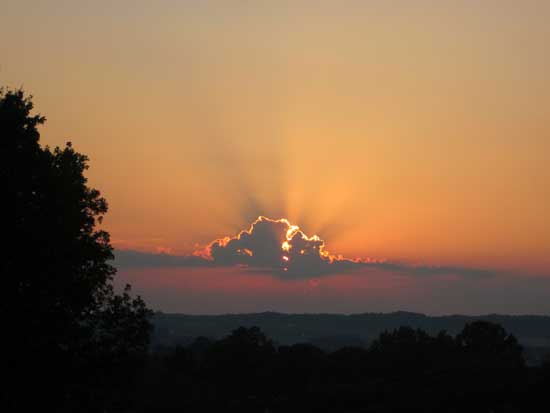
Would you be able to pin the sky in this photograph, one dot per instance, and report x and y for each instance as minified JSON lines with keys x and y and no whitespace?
{"x":411,"y":137}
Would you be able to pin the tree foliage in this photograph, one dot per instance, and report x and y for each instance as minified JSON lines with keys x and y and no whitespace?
{"x":404,"y":369}
{"x":59,"y":302}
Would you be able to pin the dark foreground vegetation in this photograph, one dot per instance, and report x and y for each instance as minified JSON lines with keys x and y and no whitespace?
{"x":72,"y":343}
{"x":69,"y":338}
{"x":479,"y":370}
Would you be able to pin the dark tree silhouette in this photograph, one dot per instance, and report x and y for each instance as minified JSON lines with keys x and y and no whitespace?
{"x":240,"y":364}
{"x":489,"y":345}
{"x":58,"y":300}
{"x":404,"y":348}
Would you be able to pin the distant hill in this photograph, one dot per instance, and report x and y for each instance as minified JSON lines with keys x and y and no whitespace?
{"x":336,"y":330}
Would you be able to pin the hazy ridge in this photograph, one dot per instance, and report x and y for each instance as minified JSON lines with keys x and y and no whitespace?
{"x":338,"y":329}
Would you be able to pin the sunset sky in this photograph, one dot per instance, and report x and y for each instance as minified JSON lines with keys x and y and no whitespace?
{"x":410,"y":135}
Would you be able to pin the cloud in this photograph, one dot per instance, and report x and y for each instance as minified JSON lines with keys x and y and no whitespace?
{"x":138,"y":259}
{"x":277,"y":247}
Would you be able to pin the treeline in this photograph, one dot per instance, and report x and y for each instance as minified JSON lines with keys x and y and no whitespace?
{"x":330,"y":331}
{"x":480,"y":369}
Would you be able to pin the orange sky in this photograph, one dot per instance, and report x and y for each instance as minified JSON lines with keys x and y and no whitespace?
{"x":413,"y":131}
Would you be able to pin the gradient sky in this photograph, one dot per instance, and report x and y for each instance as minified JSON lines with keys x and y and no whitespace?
{"x":411,"y":131}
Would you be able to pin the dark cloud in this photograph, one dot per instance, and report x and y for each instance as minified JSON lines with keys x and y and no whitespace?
{"x":138,"y":259}
{"x":279,"y":248}
{"x":426,"y":270}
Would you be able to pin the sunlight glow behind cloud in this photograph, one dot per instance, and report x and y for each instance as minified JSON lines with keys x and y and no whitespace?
{"x":276,"y":247}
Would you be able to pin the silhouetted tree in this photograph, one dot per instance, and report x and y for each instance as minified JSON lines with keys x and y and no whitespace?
{"x":489,"y":345}
{"x":298,"y":368}
{"x":239,"y":364}
{"x":58,"y":301}
{"x":404,"y":348}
